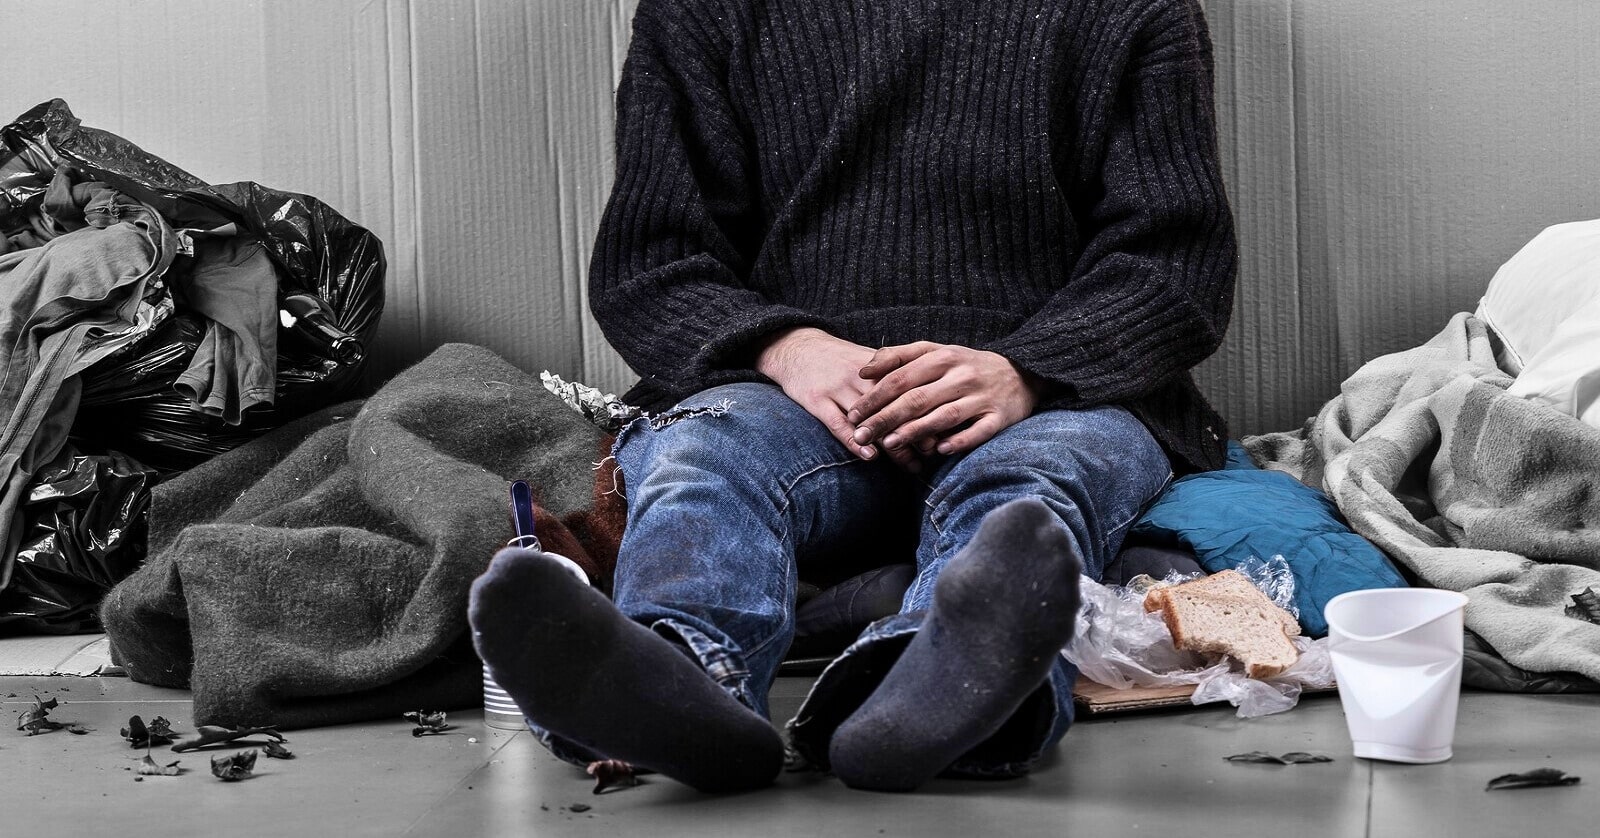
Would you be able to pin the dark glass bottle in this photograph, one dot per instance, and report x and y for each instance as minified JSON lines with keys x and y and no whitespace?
{"x":310,"y":320}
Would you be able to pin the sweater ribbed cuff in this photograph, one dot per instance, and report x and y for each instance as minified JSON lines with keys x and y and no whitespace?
{"x":1116,"y":349}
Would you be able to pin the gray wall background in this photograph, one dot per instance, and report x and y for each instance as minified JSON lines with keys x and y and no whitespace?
{"x":1384,"y":156}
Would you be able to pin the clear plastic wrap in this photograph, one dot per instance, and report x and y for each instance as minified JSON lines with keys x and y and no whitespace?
{"x":1275,"y":579}
{"x":1255,"y":697}
{"x":1120,"y":645}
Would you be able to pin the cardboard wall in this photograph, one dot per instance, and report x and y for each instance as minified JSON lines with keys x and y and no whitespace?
{"x":1384,"y":156}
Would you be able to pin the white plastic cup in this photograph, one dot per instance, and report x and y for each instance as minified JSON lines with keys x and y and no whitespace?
{"x":499,"y":709}
{"x":1397,"y":659}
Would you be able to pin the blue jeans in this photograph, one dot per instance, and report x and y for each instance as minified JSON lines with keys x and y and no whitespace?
{"x":738,"y":491}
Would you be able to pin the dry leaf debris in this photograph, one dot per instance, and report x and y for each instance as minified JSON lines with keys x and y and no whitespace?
{"x":206,"y":735}
{"x":149,"y":767}
{"x":277,"y":751}
{"x":231,"y":768}
{"x":141,"y":735}
{"x":1585,"y":606}
{"x":1531,"y":779}
{"x":1291,"y":758}
{"x":611,"y":773}
{"x":36,"y":719}
{"x":427,"y":722}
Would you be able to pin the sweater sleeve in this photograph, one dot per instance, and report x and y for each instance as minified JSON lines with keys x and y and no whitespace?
{"x":1152,"y":292}
{"x":667,"y":281}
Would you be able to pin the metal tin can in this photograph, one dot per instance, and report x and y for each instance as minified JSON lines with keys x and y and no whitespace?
{"x":500,"y":710}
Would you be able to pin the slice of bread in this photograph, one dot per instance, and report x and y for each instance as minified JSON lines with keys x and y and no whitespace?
{"x":1227,"y":583}
{"x":1224,"y":613}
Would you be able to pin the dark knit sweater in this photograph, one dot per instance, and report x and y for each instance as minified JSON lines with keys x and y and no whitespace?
{"x":1038,"y":178}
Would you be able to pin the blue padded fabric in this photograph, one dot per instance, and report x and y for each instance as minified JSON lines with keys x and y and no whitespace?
{"x":1239,"y":511}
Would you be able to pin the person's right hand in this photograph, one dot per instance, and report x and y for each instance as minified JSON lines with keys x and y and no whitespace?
{"x":820,"y":373}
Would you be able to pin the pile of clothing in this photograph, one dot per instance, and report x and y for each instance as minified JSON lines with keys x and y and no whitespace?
{"x":140,"y":311}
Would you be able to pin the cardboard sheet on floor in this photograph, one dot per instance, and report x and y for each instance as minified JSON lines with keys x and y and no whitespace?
{"x":1098,"y":699}
{"x":72,"y":654}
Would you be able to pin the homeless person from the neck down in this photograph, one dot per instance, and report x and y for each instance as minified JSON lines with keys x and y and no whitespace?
{"x":926,"y":274}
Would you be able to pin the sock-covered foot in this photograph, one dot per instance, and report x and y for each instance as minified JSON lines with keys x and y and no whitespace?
{"x":1002,"y":609}
{"x":580,"y":669}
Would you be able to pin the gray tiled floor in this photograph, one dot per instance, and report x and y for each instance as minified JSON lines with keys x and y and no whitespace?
{"x":1157,"y":774}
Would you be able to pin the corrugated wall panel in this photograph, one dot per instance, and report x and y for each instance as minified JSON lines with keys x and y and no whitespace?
{"x":601,"y":365}
{"x":152,"y":71}
{"x":514,"y":114}
{"x":1252,"y":378}
{"x":339,"y":103}
{"x":490,"y":264}
{"x":1432,"y":139}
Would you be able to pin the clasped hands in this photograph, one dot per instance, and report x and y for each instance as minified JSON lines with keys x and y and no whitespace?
{"x":904,"y":401}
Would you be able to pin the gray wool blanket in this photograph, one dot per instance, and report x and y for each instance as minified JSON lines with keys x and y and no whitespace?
{"x":319,"y":574}
{"x":1471,"y":489}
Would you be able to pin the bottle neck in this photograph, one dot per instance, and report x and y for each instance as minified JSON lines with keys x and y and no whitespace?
{"x":311,"y":321}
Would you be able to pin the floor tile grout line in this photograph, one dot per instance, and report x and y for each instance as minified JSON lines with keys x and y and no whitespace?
{"x":487,"y":761}
{"x":1371,"y":778}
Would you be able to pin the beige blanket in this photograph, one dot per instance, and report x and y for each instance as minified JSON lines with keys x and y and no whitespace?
{"x":1471,"y":489}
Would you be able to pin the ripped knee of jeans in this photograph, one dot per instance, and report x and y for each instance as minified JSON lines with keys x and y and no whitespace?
{"x":652,"y":422}
{"x":682,"y":412}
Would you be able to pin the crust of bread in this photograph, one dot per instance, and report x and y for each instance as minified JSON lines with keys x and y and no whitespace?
{"x":1224,"y":613}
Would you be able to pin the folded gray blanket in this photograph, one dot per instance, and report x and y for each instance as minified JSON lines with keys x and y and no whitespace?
{"x":1471,"y":489}
{"x":319,"y":574}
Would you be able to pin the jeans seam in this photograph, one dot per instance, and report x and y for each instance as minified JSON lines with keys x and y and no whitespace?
{"x":1138,"y":512}
{"x":934,"y":517}
{"x":788,"y":593}
{"x":784,"y":535}
{"x":940,"y":542}
{"x":788,"y":492}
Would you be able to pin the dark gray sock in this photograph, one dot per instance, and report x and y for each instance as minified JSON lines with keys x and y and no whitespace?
{"x":582,"y":670}
{"x":1002,"y":609}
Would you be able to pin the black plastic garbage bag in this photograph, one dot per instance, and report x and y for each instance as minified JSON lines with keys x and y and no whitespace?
{"x":83,"y":530}
{"x":317,"y":252}
{"x":128,"y":402}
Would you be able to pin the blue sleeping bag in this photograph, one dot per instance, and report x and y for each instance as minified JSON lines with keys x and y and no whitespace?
{"x":1241,"y":511}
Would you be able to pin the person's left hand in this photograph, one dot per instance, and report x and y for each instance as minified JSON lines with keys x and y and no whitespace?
{"x":945,"y":396}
